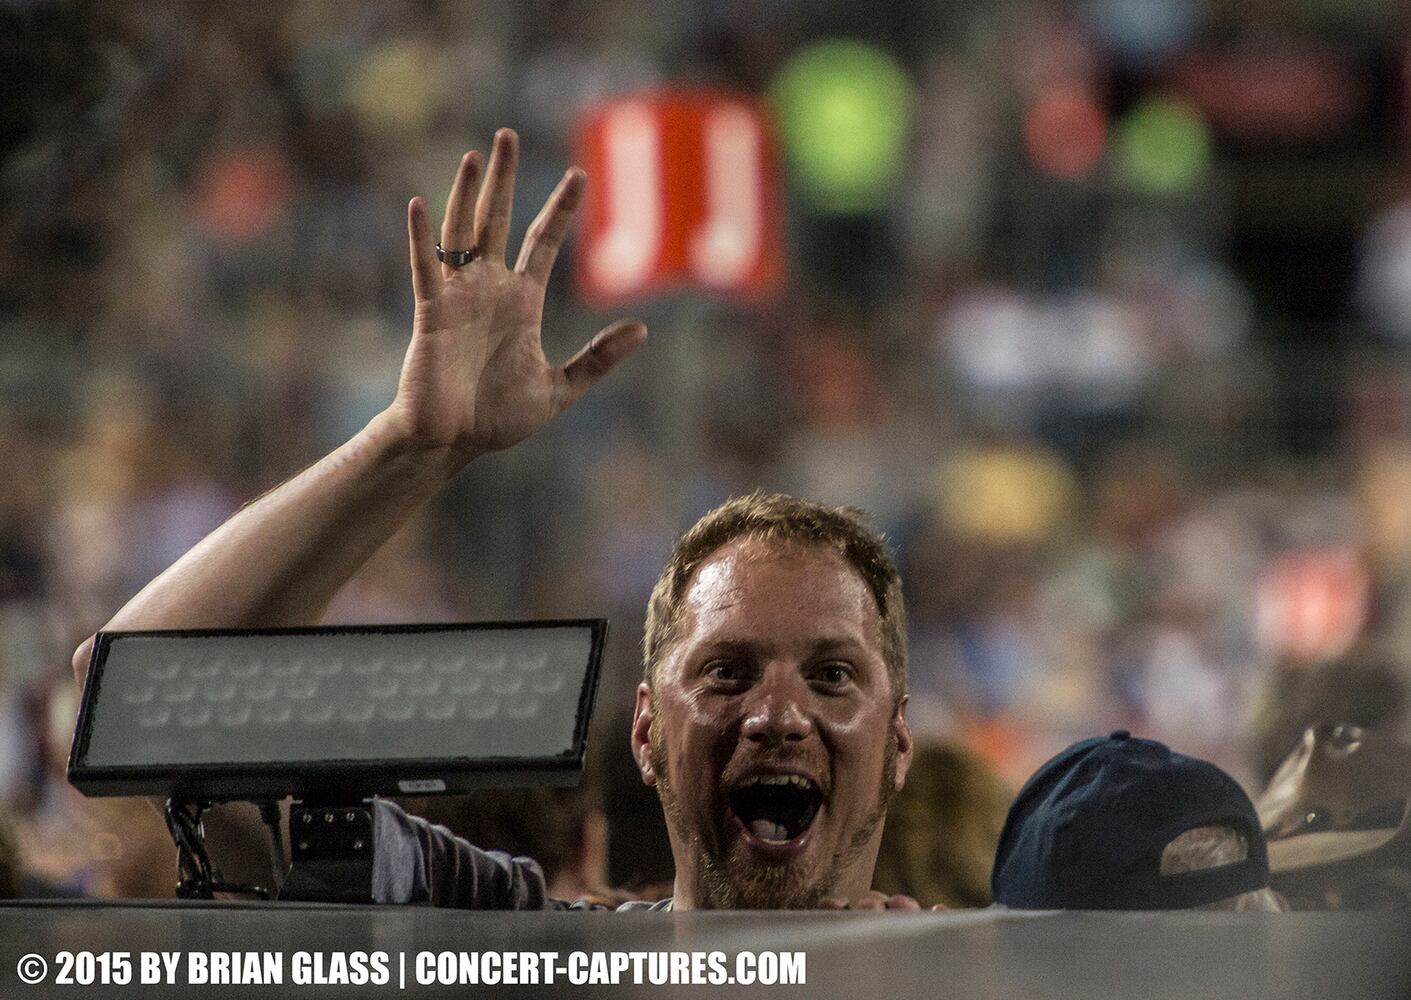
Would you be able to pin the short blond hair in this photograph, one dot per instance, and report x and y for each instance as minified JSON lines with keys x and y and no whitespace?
{"x":777,"y":517}
{"x":1203,"y":847}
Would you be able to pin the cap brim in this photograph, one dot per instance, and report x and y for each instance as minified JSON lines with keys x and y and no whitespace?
{"x":1327,"y":847}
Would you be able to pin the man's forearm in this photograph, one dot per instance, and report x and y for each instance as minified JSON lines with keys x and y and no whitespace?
{"x":281,"y":559}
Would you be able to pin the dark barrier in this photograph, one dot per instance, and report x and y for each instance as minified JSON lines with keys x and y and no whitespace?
{"x":966,"y":955}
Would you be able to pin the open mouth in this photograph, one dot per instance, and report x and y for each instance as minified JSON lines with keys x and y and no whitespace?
{"x":776,"y":808}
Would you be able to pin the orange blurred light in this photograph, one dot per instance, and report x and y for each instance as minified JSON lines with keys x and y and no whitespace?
{"x":1064,"y":134}
{"x":243,"y":194}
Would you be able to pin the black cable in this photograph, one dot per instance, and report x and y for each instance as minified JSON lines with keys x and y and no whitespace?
{"x":193,"y":865}
{"x":196,"y":878}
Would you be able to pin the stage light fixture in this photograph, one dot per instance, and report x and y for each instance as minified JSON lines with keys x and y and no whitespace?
{"x":333,"y":717}
{"x":336,"y":713}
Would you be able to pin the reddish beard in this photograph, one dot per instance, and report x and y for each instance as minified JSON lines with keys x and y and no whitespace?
{"x":727,"y":883}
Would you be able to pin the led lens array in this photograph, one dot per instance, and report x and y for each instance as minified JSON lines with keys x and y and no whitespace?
{"x":169,"y":699}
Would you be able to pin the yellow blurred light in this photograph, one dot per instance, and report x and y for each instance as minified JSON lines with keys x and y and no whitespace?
{"x":1006,"y":493}
{"x":395,"y":89}
{"x":843,"y":109}
{"x":1163,"y":146}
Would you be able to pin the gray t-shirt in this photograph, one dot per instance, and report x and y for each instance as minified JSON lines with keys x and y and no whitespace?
{"x":418,"y":862}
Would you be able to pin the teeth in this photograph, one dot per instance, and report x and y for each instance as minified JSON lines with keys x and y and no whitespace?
{"x":765,"y":830}
{"x":781,"y":779}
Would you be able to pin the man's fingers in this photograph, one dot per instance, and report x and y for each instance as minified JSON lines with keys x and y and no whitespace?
{"x":81,"y":656}
{"x":426,"y":271}
{"x":598,"y":357}
{"x":492,"y":211}
{"x":546,"y":233}
{"x":458,"y":228}
{"x":874,"y":900}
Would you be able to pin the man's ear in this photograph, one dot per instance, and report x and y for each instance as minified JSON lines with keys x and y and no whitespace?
{"x":642,"y":717}
{"x":904,"y":743}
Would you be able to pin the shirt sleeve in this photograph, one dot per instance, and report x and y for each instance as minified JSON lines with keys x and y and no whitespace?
{"x":415,"y":861}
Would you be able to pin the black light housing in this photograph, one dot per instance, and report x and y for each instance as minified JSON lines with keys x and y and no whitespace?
{"x":336,"y":714}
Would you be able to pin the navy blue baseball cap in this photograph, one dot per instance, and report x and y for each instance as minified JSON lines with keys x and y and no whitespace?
{"x":1086,"y":832}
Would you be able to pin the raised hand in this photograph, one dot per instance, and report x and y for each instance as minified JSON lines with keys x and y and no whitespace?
{"x":475,"y":378}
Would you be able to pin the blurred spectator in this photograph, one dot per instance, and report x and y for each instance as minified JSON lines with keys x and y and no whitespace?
{"x":1363,"y":691}
{"x":1117,"y":823}
{"x":9,"y":858}
{"x":1338,"y":817}
{"x":942,"y":829}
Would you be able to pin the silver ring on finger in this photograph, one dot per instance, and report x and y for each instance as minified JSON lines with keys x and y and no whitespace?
{"x":454,"y":258}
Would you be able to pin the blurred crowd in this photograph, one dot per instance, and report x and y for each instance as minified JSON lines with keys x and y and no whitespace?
{"x":1114,"y":352}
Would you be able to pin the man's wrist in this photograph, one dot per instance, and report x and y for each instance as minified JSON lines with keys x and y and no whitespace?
{"x":438,"y":462}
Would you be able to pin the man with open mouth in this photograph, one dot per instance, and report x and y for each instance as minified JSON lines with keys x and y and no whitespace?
{"x":770,"y":718}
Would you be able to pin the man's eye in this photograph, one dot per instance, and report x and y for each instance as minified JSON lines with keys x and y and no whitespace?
{"x":726,"y":671}
{"x":833,"y":674}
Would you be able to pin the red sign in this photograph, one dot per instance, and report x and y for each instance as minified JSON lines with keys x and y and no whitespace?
{"x":683,"y":192}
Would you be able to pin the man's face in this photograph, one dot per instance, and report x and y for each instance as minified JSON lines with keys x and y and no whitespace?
{"x":771,"y":736}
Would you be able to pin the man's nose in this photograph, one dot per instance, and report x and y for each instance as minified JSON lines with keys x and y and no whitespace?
{"x":776,"y":711}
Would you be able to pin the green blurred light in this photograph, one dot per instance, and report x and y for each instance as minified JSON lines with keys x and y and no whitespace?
{"x":843,"y":113}
{"x":1163,"y":147}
